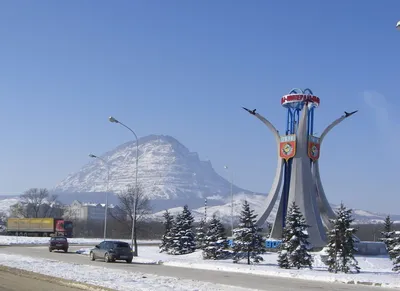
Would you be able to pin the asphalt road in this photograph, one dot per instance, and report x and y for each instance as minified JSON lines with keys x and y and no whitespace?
{"x":268,"y":283}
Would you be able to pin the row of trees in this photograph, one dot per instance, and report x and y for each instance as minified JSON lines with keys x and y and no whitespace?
{"x":391,"y":238}
{"x":179,"y":237}
{"x":294,"y":250}
{"x":37,"y":203}
{"x":248,"y":243}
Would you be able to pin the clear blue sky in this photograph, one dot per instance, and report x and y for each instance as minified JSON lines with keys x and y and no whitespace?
{"x":185,"y":68}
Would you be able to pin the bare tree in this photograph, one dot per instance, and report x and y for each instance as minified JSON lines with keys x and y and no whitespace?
{"x":35,"y":203}
{"x":135,"y":204}
{"x":3,"y":216}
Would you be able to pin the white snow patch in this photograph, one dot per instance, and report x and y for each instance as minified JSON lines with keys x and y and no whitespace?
{"x":374,"y":269}
{"x":109,"y":278}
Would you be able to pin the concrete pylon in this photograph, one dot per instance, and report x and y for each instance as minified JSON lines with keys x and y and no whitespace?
{"x":297,"y":177}
{"x":302,"y":189}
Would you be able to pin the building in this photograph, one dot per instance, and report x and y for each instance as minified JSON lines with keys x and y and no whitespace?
{"x":91,"y":211}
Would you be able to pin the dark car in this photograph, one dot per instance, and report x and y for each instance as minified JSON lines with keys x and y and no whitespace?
{"x":58,"y":243}
{"x":112,"y":251}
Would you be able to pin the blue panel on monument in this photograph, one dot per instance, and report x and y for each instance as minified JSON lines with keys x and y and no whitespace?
{"x":272,"y":244}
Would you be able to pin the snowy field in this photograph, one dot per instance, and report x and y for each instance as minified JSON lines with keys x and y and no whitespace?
{"x":374,"y":270}
{"x":22,"y":240}
{"x":117,"y":280}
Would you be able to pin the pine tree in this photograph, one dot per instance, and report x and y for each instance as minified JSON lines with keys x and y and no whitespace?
{"x":200,"y":234}
{"x":395,"y":251}
{"x":341,"y":243}
{"x":387,"y":236}
{"x":247,"y":240}
{"x":294,"y":247}
{"x":215,"y":242}
{"x":166,"y":240}
{"x":183,"y":240}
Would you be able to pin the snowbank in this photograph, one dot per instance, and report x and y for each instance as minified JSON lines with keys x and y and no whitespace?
{"x":109,"y":278}
{"x":374,"y":270}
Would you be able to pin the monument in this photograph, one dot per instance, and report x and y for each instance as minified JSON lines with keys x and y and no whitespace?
{"x":297,"y":175}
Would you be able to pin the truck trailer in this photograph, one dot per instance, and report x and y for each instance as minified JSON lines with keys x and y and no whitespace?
{"x":39,"y":227}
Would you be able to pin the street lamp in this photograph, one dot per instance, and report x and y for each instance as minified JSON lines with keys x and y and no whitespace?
{"x":108,"y":182}
{"x":398,"y":25}
{"x":226,"y":168}
{"x":113,"y":120}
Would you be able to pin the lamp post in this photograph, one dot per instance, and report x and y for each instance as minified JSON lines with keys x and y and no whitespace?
{"x":226,"y":168}
{"x":113,"y":120}
{"x":398,"y":25}
{"x":107,"y":190}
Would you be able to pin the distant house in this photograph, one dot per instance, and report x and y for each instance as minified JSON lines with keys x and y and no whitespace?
{"x":90,"y":211}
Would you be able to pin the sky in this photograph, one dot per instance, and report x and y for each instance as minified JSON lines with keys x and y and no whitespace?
{"x":185,"y":69}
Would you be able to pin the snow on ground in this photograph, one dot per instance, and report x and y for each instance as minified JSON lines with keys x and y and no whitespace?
{"x":23,"y":240}
{"x":374,"y":269}
{"x":114,"y":279}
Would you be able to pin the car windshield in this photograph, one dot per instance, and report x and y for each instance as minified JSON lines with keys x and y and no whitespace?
{"x":59,"y":238}
{"x":121,"y":245}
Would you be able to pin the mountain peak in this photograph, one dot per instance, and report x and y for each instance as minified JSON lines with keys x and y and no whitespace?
{"x":166,"y":170}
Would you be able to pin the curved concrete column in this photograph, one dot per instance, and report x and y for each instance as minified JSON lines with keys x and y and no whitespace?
{"x":302,"y":186}
{"x":277,"y":183}
{"x":273,"y":193}
{"x":326,"y":210}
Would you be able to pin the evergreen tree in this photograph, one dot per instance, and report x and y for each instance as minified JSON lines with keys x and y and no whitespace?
{"x":167,"y":238}
{"x":341,"y":243}
{"x":200,"y":234}
{"x":215,"y":243}
{"x":395,"y":251}
{"x":247,"y":240}
{"x":294,"y":247}
{"x":183,"y":240}
{"x":387,"y":236}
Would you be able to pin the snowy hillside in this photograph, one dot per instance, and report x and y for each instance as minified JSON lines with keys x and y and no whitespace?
{"x":257,"y":202}
{"x":167,"y":170}
{"x":223,"y":211}
{"x":222,"y":208}
{"x":5,"y":205}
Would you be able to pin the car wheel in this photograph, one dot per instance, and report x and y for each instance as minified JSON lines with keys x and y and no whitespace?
{"x":50,"y":250}
{"x":91,"y":256}
{"x":129,"y":261}
{"x":106,"y":258}
{"x":65,"y":250}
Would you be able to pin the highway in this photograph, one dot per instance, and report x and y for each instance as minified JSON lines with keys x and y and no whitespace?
{"x":268,"y":283}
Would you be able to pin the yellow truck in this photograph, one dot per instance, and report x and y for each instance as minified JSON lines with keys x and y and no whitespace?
{"x":39,"y":227}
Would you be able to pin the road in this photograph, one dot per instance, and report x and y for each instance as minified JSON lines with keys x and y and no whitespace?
{"x":268,"y":283}
{"x":24,"y":281}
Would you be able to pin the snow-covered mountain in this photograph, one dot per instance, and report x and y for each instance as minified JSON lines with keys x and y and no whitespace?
{"x":167,"y":170}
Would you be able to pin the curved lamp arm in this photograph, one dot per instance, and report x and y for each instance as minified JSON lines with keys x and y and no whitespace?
{"x":266,"y":122}
{"x":333,"y":124}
